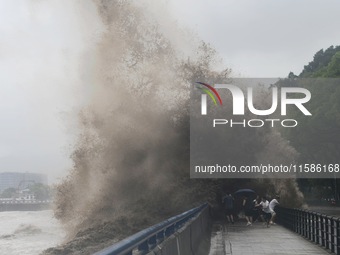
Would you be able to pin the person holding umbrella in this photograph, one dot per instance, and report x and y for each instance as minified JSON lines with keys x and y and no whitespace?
{"x":247,"y":196}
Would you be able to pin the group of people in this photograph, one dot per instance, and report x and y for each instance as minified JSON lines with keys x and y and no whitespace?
{"x":254,"y":209}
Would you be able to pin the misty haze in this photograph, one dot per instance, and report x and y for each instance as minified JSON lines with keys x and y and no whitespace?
{"x":97,"y":129}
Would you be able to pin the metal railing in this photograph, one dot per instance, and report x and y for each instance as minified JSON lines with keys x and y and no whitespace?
{"x":318,"y":228}
{"x":147,"y":239}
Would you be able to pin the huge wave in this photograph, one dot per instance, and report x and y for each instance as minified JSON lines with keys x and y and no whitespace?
{"x":131,"y":160}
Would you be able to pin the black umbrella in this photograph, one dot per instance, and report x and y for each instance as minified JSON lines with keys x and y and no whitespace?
{"x":245,"y":193}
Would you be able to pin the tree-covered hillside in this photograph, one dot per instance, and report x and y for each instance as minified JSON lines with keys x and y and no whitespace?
{"x":326,"y":63}
{"x":317,"y":138}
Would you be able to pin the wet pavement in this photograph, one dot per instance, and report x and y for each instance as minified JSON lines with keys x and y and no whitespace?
{"x":239,"y":239}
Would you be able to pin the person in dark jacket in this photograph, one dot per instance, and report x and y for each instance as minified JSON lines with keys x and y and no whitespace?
{"x":228,"y":203}
{"x":248,"y":207}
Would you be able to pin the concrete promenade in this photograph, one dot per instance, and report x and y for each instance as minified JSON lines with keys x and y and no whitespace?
{"x":239,"y":239}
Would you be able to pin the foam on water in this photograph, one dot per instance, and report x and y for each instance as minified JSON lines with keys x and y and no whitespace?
{"x":28,"y":233}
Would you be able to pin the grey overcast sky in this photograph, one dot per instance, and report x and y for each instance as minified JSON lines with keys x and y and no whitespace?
{"x":41,"y":46}
{"x":263,"y":38}
{"x":43,"y":42}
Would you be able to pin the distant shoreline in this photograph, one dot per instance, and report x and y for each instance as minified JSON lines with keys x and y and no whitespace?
{"x":24,"y":206}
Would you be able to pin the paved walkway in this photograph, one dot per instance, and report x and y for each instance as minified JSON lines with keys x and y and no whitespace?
{"x":238,"y":239}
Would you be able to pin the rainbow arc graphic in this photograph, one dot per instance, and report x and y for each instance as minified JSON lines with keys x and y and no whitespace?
{"x":211,"y":91}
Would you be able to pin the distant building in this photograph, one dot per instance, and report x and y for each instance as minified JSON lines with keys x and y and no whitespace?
{"x":20,"y":180}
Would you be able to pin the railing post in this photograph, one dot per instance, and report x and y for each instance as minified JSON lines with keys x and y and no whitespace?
{"x":323,"y":228}
{"x":319,"y":230}
{"x":152,"y":242}
{"x":299,"y":222}
{"x":160,"y":236}
{"x":307,"y":225}
{"x":327,"y":233}
{"x":296,"y":220}
{"x":143,"y":248}
{"x":330,"y":238}
{"x":311,"y":217}
{"x":302,"y":223}
{"x":170,"y":230}
{"x":333,"y":233}
{"x":308,"y":234}
{"x":337,"y":236}
{"x":315,"y":222}
{"x":292,"y":219}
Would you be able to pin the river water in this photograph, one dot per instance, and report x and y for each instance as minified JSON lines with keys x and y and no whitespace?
{"x":28,"y":233}
{"x":328,"y":210}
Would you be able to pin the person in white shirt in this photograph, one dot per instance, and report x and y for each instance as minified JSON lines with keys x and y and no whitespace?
{"x":266,"y":214}
{"x":272,"y":206}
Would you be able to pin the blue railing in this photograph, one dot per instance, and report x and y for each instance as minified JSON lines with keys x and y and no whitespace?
{"x":147,"y":239}
{"x":318,"y":228}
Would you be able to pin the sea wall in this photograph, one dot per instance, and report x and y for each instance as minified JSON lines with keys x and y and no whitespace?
{"x":24,"y":206}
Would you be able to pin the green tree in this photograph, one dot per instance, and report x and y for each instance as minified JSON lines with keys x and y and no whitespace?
{"x":8,"y":193}
{"x":317,"y":137}
{"x":320,"y":64}
{"x":333,"y":68}
{"x":40,"y":191}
